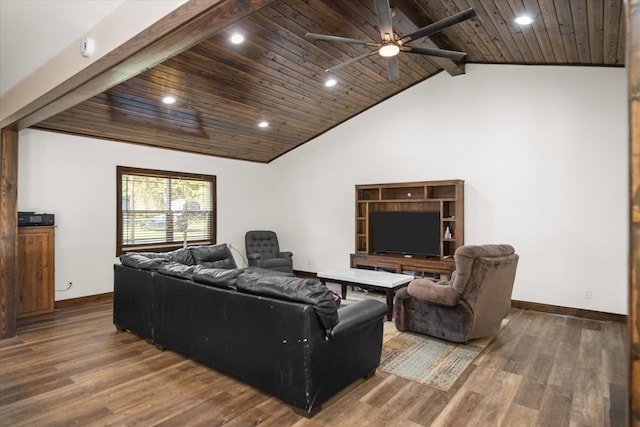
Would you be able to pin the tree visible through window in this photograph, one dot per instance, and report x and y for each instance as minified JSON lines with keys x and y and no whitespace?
{"x":161,"y":210}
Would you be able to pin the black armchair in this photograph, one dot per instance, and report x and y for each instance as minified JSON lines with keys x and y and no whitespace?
{"x":263,"y":251}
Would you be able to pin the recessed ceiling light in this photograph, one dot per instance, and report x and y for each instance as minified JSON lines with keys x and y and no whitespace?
{"x":330,"y":82}
{"x":169,"y":99}
{"x":263,"y":124}
{"x":237,"y":38}
{"x":524,"y":20}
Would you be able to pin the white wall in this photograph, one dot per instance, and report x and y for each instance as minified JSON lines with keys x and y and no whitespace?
{"x":543,"y":151}
{"x":75,"y":178}
{"x":544,"y":155}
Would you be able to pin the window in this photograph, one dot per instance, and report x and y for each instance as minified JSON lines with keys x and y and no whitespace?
{"x":160,"y":210}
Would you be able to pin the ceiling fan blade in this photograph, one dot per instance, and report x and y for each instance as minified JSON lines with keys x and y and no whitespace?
{"x":351,"y":61}
{"x":327,"y":38}
{"x":439,"y":26}
{"x":383,"y":11}
{"x":440,"y":53}
{"x":392,"y":68}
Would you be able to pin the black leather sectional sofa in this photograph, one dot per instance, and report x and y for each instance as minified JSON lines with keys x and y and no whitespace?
{"x":282,"y":334}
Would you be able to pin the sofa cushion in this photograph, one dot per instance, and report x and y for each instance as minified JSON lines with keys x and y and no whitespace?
{"x":142,"y":261}
{"x":308,"y":291}
{"x":182,"y":256}
{"x":218,"y":277}
{"x":154,"y":255}
{"x":258,"y":272}
{"x":213,"y":256}
{"x":176,"y":269}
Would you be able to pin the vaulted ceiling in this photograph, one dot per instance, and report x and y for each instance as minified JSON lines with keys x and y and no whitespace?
{"x":223,"y":90}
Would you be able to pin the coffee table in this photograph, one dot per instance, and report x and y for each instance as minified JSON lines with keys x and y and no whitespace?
{"x":368,"y":279}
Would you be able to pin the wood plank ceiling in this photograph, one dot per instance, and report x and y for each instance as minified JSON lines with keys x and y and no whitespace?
{"x":277,"y":75}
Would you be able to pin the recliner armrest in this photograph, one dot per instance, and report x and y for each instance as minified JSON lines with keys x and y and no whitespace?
{"x":254,"y":255}
{"x":441,"y":293}
{"x":285,"y":254}
{"x":360,"y":312}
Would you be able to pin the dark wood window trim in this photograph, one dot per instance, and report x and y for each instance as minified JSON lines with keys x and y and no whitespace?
{"x":121,"y":247}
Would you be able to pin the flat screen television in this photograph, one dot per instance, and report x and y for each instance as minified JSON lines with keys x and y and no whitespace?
{"x":404,"y":232}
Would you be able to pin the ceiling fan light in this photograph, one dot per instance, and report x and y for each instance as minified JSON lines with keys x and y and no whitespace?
{"x":388,"y":50}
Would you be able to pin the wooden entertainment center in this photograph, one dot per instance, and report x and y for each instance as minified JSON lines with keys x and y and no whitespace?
{"x":445,"y":197}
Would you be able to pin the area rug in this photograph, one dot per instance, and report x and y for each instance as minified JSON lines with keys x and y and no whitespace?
{"x":428,"y":360}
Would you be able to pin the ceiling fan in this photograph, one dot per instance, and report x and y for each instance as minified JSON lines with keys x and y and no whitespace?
{"x":391,"y":44}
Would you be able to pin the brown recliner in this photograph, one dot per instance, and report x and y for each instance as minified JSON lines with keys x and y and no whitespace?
{"x":470,"y":305}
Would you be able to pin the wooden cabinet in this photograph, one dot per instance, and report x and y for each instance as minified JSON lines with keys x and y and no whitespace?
{"x":35,"y":271}
{"x":444,"y":197}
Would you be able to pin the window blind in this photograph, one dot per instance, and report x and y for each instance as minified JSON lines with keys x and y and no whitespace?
{"x":161,"y":209}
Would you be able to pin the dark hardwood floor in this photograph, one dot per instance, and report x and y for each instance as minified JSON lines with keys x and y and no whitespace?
{"x":76,"y":369}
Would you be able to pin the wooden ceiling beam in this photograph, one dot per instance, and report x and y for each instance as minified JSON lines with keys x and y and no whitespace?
{"x":632,"y":15}
{"x":407,"y":16}
{"x":188,"y":25}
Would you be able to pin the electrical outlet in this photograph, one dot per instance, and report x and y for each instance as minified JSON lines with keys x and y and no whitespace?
{"x":69,"y":286}
{"x":587,"y":294}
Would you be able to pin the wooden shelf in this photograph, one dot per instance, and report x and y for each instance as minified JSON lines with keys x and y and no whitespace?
{"x":420,"y":266}
{"x":445,"y":197}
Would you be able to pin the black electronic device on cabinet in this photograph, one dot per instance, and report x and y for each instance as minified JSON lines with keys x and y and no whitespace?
{"x":32,"y":218}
